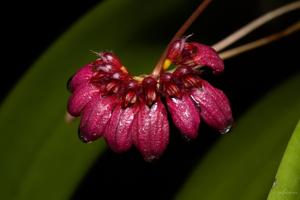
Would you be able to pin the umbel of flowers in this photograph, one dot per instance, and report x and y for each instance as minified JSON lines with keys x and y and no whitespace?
{"x":128,"y":111}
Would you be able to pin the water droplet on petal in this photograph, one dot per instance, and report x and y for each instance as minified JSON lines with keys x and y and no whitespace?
{"x":226,"y":130}
{"x":186,"y":138}
{"x":150,"y":158}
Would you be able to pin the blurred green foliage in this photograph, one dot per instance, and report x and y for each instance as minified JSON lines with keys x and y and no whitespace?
{"x":286,"y":185}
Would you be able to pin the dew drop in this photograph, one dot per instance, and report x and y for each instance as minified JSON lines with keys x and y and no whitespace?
{"x":227,"y":129}
{"x":151,"y":158}
{"x":186,"y":138}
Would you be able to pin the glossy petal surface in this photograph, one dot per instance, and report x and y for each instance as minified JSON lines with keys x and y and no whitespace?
{"x":220,"y":97}
{"x":95,"y":117}
{"x":117,"y":132}
{"x":185,"y":115}
{"x":214,"y":107}
{"x":150,"y":130}
{"x":81,"y":96}
{"x":207,"y":56}
{"x":83,"y":75}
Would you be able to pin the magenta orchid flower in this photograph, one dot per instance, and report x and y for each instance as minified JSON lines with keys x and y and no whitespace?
{"x":129,"y":110}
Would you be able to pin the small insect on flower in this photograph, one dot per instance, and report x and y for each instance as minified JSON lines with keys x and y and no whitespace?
{"x":128,"y":111}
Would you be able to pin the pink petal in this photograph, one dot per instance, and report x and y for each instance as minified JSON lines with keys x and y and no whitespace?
{"x":185,"y":115}
{"x":220,"y":97}
{"x":81,"y":96}
{"x":214,"y":107}
{"x":95,"y":116}
{"x":150,"y":130}
{"x":83,"y":75}
{"x":117,"y":131}
{"x":207,"y":56}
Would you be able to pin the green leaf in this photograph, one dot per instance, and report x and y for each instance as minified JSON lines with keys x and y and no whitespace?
{"x":287,"y":183}
{"x":243,"y":164}
{"x":41,"y":157}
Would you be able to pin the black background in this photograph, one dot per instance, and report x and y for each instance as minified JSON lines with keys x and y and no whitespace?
{"x":29,"y":27}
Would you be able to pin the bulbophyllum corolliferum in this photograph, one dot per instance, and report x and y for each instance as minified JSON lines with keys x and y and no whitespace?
{"x":128,"y":110}
{"x":133,"y":110}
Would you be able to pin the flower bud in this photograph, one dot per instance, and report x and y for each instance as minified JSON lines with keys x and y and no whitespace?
{"x":112,"y":87}
{"x":187,"y":77}
{"x":110,"y":58}
{"x":131,"y":90}
{"x":168,"y":87}
{"x":175,"y":50}
{"x":149,"y":85}
{"x":105,"y":68}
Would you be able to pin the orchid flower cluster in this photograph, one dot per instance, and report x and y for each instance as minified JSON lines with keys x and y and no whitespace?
{"x":128,"y":110}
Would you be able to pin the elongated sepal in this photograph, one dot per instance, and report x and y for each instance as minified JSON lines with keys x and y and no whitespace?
{"x":95,"y":117}
{"x":185,"y":115}
{"x":80,"y":97}
{"x":214,"y":107}
{"x":82,"y":76}
{"x":117,"y":133}
{"x":150,"y":130}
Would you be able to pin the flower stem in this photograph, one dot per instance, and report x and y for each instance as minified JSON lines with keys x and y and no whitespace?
{"x":257,"y":43}
{"x":260,"y":42}
{"x":158,"y":67}
{"x":254,"y":25}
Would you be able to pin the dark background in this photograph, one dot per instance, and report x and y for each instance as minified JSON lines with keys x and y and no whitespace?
{"x":29,"y":27}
